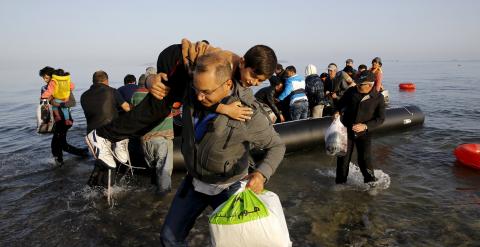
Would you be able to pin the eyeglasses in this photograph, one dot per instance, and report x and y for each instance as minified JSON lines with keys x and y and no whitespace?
{"x":204,"y":92}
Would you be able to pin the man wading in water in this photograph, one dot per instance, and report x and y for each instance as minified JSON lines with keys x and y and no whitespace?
{"x":216,"y":148}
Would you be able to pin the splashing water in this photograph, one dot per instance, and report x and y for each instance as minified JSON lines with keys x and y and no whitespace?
{"x":355,"y":180}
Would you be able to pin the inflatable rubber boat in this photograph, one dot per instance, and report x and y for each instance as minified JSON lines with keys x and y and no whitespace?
{"x":307,"y":133}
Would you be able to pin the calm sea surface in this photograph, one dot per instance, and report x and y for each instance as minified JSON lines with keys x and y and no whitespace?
{"x":424,"y":198}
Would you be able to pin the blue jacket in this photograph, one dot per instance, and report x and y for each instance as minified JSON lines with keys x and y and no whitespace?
{"x":294,"y":85}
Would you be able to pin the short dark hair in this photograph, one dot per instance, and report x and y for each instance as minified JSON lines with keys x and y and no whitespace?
{"x":279,"y":67}
{"x":261,"y":59}
{"x":46,"y":71}
{"x":222,"y":67}
{"x":60,"y":72}
{"x":282,"y":76}
{"x":377,"y":60}
{"x":99,"y":76}
{"x":291,"y":68}
{"x":349,"y":60}
{"x":129,"y":79}
{"x":323,"y":75}
{"x":362,"y":66}
{"x":348,"y":69}
{"x":275,"y":81}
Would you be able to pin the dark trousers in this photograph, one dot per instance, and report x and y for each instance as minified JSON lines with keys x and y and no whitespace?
{"x":137,"y":122}
{"x":187,"y":205}
{"x":59,"y":141}
{"x":299,"y":110}
{"x":99,"y":176}
{"x":363,"y":144}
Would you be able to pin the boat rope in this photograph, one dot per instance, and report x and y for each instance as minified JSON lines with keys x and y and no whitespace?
{"x":409,"y":112}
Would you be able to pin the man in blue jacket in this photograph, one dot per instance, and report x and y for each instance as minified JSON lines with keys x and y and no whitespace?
{"x":295,"y":88}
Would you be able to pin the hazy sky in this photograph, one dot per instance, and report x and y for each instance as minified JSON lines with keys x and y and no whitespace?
{"x":120,"y":33}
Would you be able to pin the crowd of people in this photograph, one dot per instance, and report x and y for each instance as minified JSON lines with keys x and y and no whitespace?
{"x":291,"y":96}
{"x":221,"y":120}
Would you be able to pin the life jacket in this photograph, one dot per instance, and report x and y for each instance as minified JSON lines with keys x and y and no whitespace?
{"x":62,"y":88}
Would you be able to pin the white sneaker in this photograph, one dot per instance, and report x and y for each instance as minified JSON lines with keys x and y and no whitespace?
{"x":121,"y":151}
{"x":100,"y":148}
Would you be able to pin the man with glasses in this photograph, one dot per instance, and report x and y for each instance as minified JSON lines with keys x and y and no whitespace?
{"x":362,"y":108}
{"x":216,"y":148}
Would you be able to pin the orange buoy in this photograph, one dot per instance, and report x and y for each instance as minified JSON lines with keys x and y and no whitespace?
{"x":406,"y":85}
{"x":468,"y":154}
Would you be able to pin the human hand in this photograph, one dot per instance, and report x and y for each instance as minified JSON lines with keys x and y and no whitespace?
{"x":334,"y":96}
{"x":238,"y":112}
{"x":157,"y":88}
{"x":282,"y":118}
{"x":201,"y":48}
{"x":336,"y":115}
{"x":359,"y":127}
{"x":256,"y":182}
{"x":54,"y":103}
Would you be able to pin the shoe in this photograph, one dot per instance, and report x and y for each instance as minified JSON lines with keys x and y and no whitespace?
{"x":121,"y":151}
{"x":58,"y":161}
{"x":101,"y":149}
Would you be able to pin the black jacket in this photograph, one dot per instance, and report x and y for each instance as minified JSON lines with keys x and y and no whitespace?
{"x":314,"y":90}
{"x":368,"y":108}
{"x":100,"y":104}
{"x":266,"y":96}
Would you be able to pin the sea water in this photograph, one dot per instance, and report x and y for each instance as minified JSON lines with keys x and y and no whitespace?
{"x":423,"y":196}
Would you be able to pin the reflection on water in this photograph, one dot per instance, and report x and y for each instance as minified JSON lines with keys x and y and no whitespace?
{"x":422,"y":198}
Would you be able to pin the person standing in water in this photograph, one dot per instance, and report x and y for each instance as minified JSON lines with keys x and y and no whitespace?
{"x":216,"y":148}
{"x":101,"y":105}
{"x":362,"y":108}
{"x":59,"y":93}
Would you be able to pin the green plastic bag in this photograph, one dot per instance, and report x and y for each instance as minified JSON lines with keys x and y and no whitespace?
{"x":248,"y":219}
{"x":240,"y":208}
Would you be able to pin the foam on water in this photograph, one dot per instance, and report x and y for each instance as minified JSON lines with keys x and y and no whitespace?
{"x":355,"y":180}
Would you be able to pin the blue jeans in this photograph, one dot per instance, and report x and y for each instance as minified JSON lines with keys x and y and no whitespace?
{"x":299,"y":110}
{"x":187,"y":205}
{"x":159,"y":155}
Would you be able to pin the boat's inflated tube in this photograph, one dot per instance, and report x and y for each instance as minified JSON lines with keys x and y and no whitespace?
{"x":307,"y":133}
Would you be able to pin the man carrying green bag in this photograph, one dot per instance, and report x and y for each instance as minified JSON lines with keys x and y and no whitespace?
{"x":215,"y":147}
{"x":247,"y":219}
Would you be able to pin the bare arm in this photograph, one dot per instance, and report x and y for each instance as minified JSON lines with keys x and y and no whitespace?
{"x":235,"y":110}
